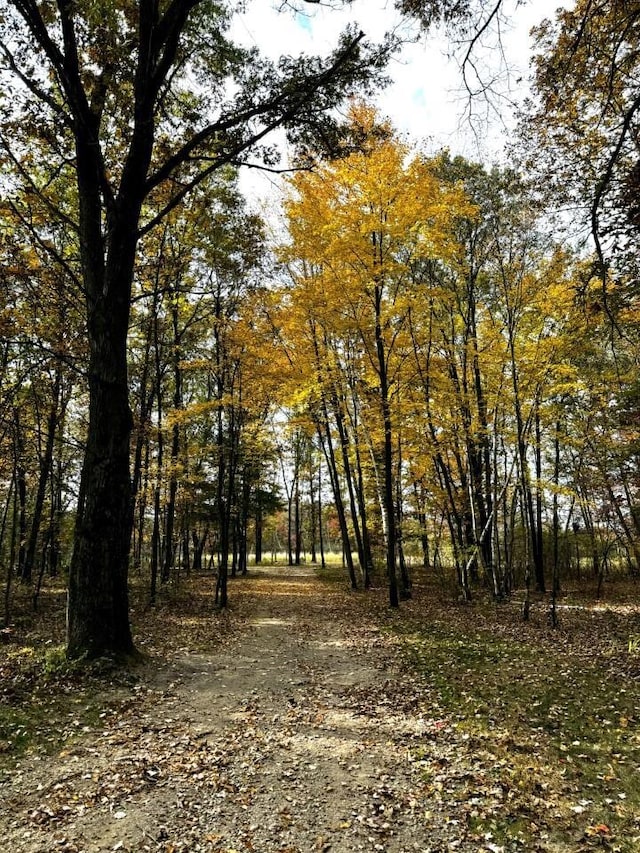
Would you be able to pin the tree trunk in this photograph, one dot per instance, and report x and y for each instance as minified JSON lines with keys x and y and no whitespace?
{"x":244,"y":524}
{"x":337,"y":497}
{"x":405,"y":579}
{"x":389,"y":503}
{"x":259,"y":531}
{"x":140,"y":475}
{"x":98,"y":602}
{"x":222,"y":599}
{"x":7,"y":589}
{"x":235,"y":536}
{"x":556,"y":525}
{"x":330,"y":458}
{"x":57,"y":512}
{"x":421,"y":516}
{"x":323,"y":562}
{"x":290,"y":528}
{"x":45,"y":470}
{"x":362,"y":509}
{"x":313,"y":519}
{"x":540,"y":558}
{"x":346,"y":464}
{"x":170,"y":548}
{"x":297,"y":518}
{"x":98,"y":598}
{"x":21,"y":495}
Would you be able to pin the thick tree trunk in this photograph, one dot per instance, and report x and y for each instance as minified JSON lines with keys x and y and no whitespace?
{"x":98,"y":605}
{"x":98,"y":599}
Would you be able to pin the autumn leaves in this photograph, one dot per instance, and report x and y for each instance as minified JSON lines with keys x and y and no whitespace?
{"x":433,"y":333}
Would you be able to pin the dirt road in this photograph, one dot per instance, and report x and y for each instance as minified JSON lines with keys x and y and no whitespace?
{"x":300,"y":733}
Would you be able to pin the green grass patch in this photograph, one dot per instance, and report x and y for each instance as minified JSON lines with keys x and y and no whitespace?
{"x":47,"y":702}
{"x":332,"y":572}
{"x":556,"y":731}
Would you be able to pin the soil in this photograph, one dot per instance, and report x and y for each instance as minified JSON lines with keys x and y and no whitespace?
{"x":301,"y":732}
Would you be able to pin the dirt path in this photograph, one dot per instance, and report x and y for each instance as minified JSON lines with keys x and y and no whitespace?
{"x":299,"y":734}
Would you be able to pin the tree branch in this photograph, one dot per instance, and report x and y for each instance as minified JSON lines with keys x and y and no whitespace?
{"x":224,"y":125}
{"x":31,"y":85}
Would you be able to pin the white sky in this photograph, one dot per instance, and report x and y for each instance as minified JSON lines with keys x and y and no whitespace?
{"x":426,"y":99}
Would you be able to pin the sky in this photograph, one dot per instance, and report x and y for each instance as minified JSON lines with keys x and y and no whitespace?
{"x":426,"y":100}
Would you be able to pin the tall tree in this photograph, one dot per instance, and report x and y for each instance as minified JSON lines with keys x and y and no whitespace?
{"x":582,"y":134}
{"x":585,"y":118}
{"x":106,"y":87}
{"x":363,"y":222}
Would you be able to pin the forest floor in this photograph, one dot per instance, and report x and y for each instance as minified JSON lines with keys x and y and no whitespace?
{"x":308,"y":718}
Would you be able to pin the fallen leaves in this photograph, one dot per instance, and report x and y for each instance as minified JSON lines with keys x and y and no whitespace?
{"x":304,"y":730}
{"x":599,"y":830}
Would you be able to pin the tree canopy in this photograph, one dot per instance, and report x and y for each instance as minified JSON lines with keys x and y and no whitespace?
{"x":461,"y":377}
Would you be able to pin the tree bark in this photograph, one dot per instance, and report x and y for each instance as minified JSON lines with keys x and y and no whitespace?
{"x":45,"y":470}
{"x":98,"y":602}
{"x":389,"y":503}
{"x":98,"y":598}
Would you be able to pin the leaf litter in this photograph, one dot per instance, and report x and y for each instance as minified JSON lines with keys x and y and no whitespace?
{"x":310,"y":719}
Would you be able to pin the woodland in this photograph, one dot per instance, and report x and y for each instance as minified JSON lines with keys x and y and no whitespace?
{"x":404,"y":418}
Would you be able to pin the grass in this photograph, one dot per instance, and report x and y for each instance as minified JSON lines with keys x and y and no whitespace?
{"x":44,"y":702}
{"x":554,"y":718}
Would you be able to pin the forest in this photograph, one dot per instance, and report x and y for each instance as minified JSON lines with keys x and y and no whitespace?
{"x":423,"y":372}
{"x":419,"y":382}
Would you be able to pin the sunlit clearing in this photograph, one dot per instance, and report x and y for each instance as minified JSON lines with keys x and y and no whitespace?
{"x":262,"y":623}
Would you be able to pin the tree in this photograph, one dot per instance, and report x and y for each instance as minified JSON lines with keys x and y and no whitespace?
{"x":197,"y":274}
{"x":41,"y":355}
{"x":105,"y":87}
{"x":584,"y":123}
{"x":585,"y":126}
{"x":363,"y":223}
